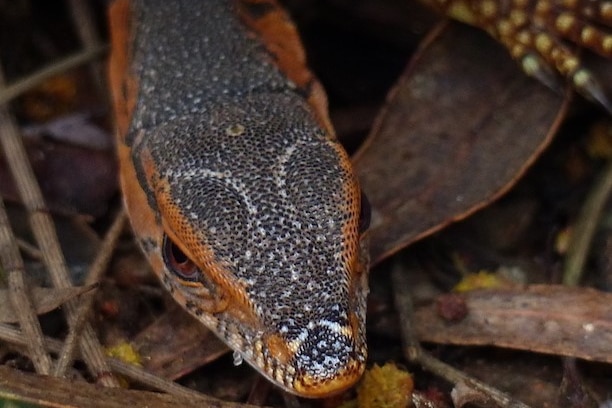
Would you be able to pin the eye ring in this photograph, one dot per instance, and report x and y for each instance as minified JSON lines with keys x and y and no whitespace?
{"x":178,"y":263}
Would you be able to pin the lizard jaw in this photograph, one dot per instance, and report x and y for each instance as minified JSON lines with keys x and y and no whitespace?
{"x":326,"y":360}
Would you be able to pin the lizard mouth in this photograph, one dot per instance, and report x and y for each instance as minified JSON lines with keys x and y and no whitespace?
{"x":324,"y":360}
{"x":330,"y":359}
{"x":313,"y":384}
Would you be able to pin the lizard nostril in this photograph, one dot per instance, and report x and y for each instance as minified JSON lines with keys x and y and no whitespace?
{"x":177,"y":262}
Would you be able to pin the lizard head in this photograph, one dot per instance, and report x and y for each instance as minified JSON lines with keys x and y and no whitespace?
{"x":257,"y":227}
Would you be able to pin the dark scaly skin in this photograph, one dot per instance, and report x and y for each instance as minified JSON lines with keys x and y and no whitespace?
{"x":221,"y":154}
{"x":543,"y":35}
{"x":233,"y":180}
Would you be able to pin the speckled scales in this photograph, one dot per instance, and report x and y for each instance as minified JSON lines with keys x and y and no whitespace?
{"x":224,"y":139}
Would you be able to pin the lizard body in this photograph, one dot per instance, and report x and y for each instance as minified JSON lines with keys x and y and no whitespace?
{"x":243,"y":201}
{"x":245,"y":204}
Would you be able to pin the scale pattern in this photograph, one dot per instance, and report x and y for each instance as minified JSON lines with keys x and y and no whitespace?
{"x":226,"y":162}
{"x":542,"y":35}
{"x":243,"y":179}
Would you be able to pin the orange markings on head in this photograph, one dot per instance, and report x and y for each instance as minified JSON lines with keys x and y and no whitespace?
{"x":142,"y":216}
{"x":274,"y":28}
{"x":350,"y":230}
{"x":313,"y":387}
{"x":124,"y":89}
{"x":355,"y":324}
{"x":240,"y":308}
{"x":277,"y":346}
{"x":230,"y":297}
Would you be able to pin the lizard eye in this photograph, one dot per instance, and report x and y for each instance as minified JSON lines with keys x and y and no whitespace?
{"x":178,"y":262}
{"x":364,"y":214}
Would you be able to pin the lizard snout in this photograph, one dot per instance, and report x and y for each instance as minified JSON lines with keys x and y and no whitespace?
{"x":330,"y":359}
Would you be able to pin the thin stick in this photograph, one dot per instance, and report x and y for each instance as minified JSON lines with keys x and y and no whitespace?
{"x":29,"y":82}
{"x":46,"y":239}
{"x":13,"y":264}
{"x":585,"y":228}
{"x":28,"y":321}
{"x":414,"y":353}
{"x":90,"y":38}
{"x":29,"y":249}
{"x":131,"y":371}
{"x":96,"y":270}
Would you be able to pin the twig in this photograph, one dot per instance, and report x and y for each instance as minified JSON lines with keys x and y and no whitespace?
{"x":13,"y":265}
{"x":133,"y":372}
{"x":46,"y":239}
{"x":29,"y":82}
{"x":19,"y":389}
{"x":96,"y":270}
{"x":579,"y":246}
{"x":29,"y":249}
{"x":414,"y":353}
{"x":90,"y":38}
{"x":585,"y":228}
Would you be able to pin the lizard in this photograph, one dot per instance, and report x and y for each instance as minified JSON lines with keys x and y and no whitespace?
{"x":240,"y":195}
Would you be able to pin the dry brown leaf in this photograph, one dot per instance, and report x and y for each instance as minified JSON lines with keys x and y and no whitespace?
{"x":461,"y":126}
{"x":551,"y":319}
{"x":73,"y":179}
{"x":176,"y":344}
{"x":43,"y":299}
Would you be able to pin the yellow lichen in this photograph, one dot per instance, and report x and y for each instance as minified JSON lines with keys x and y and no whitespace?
{"x":385,"y":387}
{"x":480,"y":280}
{"x":125,"y":352}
